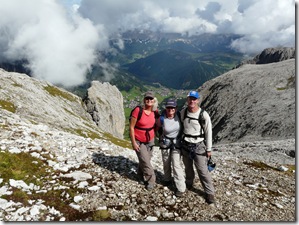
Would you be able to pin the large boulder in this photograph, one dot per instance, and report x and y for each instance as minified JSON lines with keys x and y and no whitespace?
{"x":105,"y":104}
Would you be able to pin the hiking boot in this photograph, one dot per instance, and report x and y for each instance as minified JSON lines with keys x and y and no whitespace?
{"x":210,"y":199}
{"x":150,"y":187}
{"x":179,"y":194}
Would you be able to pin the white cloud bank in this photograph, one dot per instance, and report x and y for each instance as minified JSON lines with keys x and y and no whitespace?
{"x":60,"y":47}
{"x":61,"y":44}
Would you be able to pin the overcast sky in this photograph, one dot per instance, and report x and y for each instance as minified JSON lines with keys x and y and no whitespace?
{"x":60,"y":37}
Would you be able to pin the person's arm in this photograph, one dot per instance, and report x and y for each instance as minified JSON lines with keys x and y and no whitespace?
{"x":135,"y":146}
{"x":158,"y":128}
{"x":208,"y":133}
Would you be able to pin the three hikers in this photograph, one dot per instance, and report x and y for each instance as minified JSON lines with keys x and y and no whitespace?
{"x":185,"y":134}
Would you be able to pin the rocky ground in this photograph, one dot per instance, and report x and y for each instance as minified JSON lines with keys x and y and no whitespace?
{"x":96,"y":180}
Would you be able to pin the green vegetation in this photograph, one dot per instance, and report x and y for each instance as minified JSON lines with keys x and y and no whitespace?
{"x":264,"y":166}
{"x":87,"y":133}
{"x":120,"y":142}
{"x":259,"y":165}
{"x":17,"y":85}
{"x":57,"y":92}
{"x":20,"y":167}
{"x":23,"y":166}
{"x":9,"y":106}
{"x":182,"y":70}
{"x":101,"y":215}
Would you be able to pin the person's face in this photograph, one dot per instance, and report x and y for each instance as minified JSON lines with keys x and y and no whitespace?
{"x":192,"y":102}
{"x":149,"y":101}
{"x":170,"y":111}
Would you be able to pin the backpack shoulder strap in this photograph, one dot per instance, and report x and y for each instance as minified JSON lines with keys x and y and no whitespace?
{"x":139,"y":113}
{"x":157,"y":114}
{"x":201,"y":121}
{"x":200,"y":116}
{"x":185,"y":114}
{"x":162,"y":117}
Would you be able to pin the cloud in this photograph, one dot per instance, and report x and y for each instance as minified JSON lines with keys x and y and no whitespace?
{"x":59,"y":47}
{"x":61,"y":44}
{"x":261,"y":23}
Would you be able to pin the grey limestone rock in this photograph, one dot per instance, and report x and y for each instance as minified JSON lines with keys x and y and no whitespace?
{"x":105,"y":104}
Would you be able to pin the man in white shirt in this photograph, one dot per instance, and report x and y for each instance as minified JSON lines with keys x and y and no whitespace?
{"x":197,"y":145}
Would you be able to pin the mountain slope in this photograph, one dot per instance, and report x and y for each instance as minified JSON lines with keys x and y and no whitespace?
{"x":253,"y":102}
{"x":173,"y":69}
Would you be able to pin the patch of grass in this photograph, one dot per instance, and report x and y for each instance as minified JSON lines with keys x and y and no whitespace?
{"x":264,"y":166}
{"x":290,"y":170}
{"x":20,"y":167}
{"x":9,"y":106}
{"x":4,"y":126}
{"x":281,"y":88}
{"x":260,"y":165}
{"x":101,"y":215}
{"x":106,"y":136}
{"x":120,"y":142}
{"x":71,"y":113}
{"x":17,"y":85}
{"x":87,"y":134}
{"x":57,"y":92}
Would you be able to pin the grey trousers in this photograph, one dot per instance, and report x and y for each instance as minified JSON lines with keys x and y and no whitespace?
{"x":172,"y":163}
{"x":200,"y":161}
{"x":145,"y":169}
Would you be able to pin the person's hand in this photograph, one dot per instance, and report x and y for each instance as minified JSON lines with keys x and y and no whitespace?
{"x":209,"y":154}
{"x":136,"y":146}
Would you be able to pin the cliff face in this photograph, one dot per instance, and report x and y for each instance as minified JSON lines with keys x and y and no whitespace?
{"x":105,"y":104}
{"x":253,"y":102}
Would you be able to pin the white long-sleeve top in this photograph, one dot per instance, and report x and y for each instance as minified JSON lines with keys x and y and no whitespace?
{"x":192,"y":127}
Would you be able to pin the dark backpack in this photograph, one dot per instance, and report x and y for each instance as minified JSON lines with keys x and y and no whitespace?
{"x":200,"y":120}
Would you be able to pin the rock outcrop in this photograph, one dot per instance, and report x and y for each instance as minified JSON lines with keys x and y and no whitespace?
{"x":105,"y":104}
{"x":253,"y":102}
{"x":271,"y":55}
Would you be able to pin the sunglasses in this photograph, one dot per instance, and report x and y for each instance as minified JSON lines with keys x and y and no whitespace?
{"x":148,"y":98}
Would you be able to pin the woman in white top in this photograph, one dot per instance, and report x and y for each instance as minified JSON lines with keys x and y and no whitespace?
{"x":169,"y":140}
